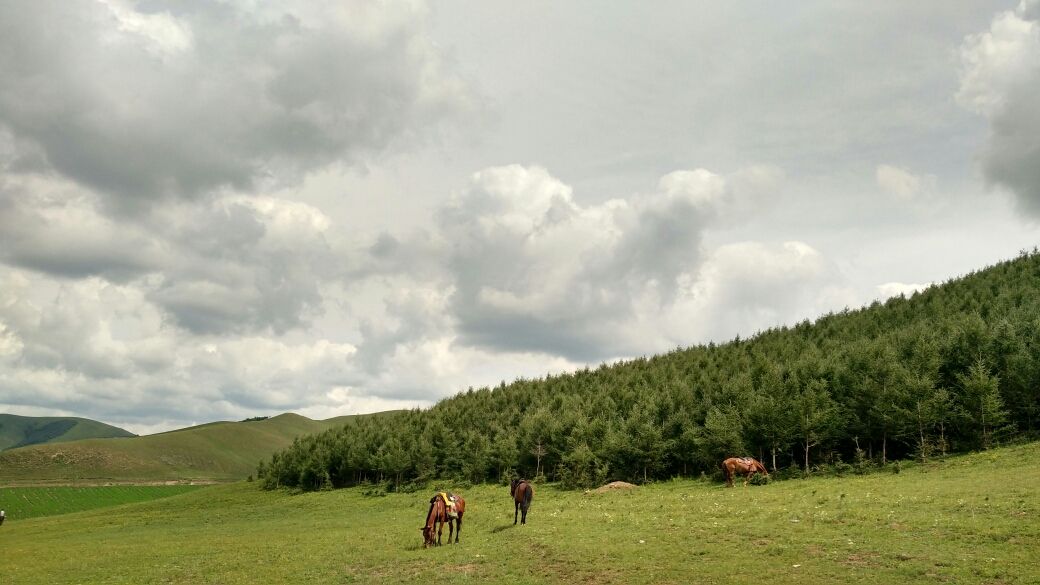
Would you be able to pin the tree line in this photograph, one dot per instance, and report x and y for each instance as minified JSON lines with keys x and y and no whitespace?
{"x":950,"y":369}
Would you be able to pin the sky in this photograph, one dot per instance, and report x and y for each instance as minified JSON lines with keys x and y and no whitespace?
{"x":214,"y":211}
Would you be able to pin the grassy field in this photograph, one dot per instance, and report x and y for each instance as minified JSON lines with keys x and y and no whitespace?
{"x":220,"y":451}
{"x":970,"y":519}
{"x":33,"y":502}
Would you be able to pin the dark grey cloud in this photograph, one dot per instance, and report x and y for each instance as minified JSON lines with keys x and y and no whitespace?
{"x":51,"y":226}
{"x":134,"y":137}
{"x":171,"y":100}
{"x":1000,"y":79}
{"x":243,"y":265}
{"x":231,"y":265}
{"x":1012,"y":157}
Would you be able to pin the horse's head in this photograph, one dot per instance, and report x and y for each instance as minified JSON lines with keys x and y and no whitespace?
{"x":427,"y":536}
{"x":512,"y":486}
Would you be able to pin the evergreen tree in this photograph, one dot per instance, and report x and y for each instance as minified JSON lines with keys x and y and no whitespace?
{"x":819,"y":416}
{"x":982,"y":401}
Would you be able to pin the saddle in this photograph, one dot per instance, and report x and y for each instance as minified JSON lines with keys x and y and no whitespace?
{"x":449,"y":503}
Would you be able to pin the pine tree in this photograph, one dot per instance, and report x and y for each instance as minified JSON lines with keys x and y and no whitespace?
{"x":982,"y":401}
{"x":819,"y":416}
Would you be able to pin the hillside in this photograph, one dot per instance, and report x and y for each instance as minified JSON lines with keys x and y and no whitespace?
{"x":21,"y":431}
{"x":210,"y":452}
{"x":953,"y":368}
{"x":948,"y":522}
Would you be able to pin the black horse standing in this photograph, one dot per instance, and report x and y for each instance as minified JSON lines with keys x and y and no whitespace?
{"x":522,"y":492}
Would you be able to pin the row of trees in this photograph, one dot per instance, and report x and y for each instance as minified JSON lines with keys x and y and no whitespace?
{"x":954,"y":368}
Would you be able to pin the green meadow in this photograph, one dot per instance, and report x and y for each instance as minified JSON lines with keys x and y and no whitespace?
{"x":968,"y":519}
{"x":32,"y":502}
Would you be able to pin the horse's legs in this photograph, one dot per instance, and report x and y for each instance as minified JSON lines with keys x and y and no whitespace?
{"x":458,"y":528}
{"x":523,"y":515}
{"x":516,"y":511}
{"x":451,"y":529}
{"x":440,"y":531}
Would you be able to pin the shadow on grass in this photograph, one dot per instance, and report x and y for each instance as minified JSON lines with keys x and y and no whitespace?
{"x":444,"y":543}
{"x":498,"y":529}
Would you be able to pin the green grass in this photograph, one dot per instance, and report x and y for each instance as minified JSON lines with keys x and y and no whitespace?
{"x":971,"y":519}
{"x":32,"y":502}
{"x":220,"y":451}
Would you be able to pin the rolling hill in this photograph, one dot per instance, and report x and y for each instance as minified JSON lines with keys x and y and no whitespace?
{"x":22,"y":431}
{"x":211,"y":452}
{"x":953,"y":368}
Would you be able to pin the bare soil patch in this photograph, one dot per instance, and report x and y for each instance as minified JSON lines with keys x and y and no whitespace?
{"x":615,"y":485}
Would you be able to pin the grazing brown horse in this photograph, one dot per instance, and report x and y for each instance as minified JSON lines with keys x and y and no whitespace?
{"x":746,"y":466}
{"x":522,"y":492}
{"x":438,"y":516}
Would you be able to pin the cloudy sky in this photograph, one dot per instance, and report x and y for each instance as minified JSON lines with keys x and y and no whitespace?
{"x":210,"y":211}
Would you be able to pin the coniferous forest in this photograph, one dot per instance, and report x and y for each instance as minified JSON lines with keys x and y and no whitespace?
{"x":953,"y":368}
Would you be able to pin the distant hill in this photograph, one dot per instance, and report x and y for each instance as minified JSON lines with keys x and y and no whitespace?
{"x":218,"y":451}
{"x":21,"y":431}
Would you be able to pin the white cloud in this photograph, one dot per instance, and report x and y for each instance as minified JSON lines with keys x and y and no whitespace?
{"x":94,"y":347}
{"x":902,"y":183}
{"x":746,"y":287}
{"x":532,"y":270}
{"x":892,"y":289}
{"x":998,"y":61}
{"x":163,"y":33}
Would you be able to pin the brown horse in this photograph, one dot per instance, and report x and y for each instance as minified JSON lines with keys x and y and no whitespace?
{"x":522,"y":492}
{"x":746,"y":466}
{"x":438,"y":516}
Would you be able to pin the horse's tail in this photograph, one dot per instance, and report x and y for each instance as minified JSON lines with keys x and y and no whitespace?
{"x":528,"y":495}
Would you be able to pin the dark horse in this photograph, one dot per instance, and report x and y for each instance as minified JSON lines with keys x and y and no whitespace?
{"x":438,"y":516}
{"x":522,"y":492}
{"x":746,"y":466}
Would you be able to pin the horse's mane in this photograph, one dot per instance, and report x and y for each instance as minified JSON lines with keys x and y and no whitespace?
{"x":429,"y":514}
